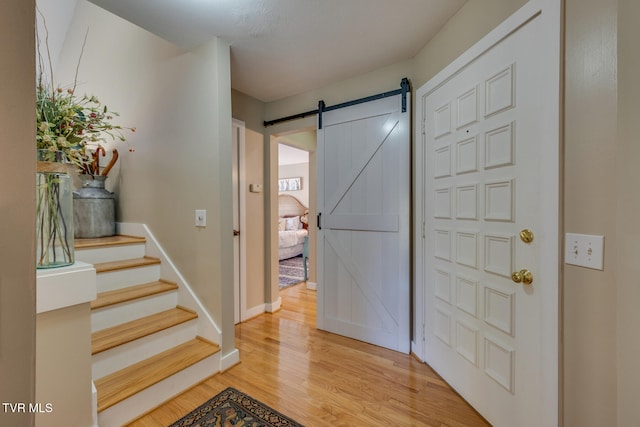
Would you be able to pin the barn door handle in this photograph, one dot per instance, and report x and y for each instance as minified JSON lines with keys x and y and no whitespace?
{"x":318,"y":221}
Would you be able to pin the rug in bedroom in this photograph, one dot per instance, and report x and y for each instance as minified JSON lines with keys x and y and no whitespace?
{"x":232,"y":407}
{"x":291,"y":272}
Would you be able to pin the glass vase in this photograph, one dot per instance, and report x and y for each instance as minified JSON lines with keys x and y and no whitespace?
{"x":54,"y":213}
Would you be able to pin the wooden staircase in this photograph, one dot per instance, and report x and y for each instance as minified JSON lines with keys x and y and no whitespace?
{"x":145,"y":346}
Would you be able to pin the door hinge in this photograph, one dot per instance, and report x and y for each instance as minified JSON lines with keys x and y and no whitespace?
{"x":424,"y":230}
{"x":424,"y":332}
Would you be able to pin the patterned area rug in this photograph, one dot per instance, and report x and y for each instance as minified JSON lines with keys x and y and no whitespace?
{"x":291,"y":272}
{"x":234,"y":408}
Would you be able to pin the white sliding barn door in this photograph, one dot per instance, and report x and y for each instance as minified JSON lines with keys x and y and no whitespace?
{"x":364,"y":205}
{"x":489,"y":175}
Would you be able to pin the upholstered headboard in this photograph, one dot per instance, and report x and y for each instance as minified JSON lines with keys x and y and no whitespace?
{"x":290,"y":206}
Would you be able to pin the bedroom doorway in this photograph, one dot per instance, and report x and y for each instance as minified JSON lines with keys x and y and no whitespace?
{"x":293,"y":213}
{"x":297,"y":168}
{"x":300,"y":135}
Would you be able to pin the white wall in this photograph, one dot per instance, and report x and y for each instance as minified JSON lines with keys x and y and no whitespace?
{"x":627,"y":267}
{"x":590,"y":198}
{"x":474,"y":20}
{"x":180,"y":103}
{"x":53,"y":20}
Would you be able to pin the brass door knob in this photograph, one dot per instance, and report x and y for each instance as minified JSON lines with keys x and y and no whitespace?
{"x":526,"y":235}
{"x":522,"y":276}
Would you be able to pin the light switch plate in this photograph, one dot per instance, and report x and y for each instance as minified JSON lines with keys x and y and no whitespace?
{"x":584,"y":250}
{"x":201,"y":218}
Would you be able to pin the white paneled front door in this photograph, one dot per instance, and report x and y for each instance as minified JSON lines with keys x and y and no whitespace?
{"x":363,"y":235}
{"x":489,"y":180}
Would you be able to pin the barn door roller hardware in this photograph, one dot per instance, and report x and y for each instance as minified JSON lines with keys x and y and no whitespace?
{"x":405,"y":87}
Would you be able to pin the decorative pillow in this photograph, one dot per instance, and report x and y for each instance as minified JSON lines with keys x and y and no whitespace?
{"x":282,"y":223}
{"x":293,"y":223}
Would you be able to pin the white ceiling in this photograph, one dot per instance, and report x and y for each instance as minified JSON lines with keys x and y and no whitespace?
{"x":281,"y":48}
{"x":291,"y":156}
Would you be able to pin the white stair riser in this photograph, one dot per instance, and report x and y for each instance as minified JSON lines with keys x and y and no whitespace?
{"x":118,"y":279}
{"x":110,"y":253}
{"x":124,"y":355}
{"x":112,"y":315}
{"x":138,"y":404}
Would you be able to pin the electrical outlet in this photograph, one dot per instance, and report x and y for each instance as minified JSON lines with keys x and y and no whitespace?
{"x":584,"y":250}
{"x":201,"y":218}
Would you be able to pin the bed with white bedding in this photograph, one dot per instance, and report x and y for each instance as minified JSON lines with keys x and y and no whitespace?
{"x":292,"y":230}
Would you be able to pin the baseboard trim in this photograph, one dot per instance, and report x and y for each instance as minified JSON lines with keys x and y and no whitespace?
{"x":253,"y":312}
{"x":94,"y":404}
{"x":229,"y":360}
{"x":272,"y":307}
{"x":312,"y":285}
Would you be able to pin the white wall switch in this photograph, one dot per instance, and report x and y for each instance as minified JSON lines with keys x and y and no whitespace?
{"x":255,"y":188}
{"x":201,"y":218}
{"x":584,"y":250}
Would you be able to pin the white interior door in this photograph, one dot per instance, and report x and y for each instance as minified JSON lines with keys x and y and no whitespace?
{"x":491,"y":170}
{"x":363,"y":239}
{"x":239,"y":239}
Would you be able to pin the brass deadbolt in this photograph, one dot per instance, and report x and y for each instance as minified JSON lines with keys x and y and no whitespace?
{"x":526,"y":235}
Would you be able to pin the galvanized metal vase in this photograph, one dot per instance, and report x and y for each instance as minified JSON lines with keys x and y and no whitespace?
{"x":93,"y":208}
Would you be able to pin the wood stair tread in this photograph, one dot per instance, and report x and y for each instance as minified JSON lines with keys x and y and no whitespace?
{"x":126,"y":332}
{"x":125,"y":383}
{"x":103,"y":267}
{"x":131,"y":293}
{"x":119,"y":239}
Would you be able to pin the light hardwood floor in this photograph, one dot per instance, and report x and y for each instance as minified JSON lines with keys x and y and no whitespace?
{"x":322,"y":379}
